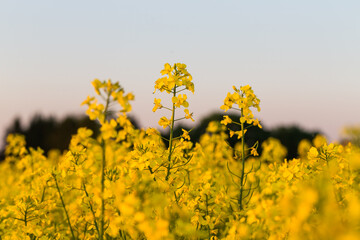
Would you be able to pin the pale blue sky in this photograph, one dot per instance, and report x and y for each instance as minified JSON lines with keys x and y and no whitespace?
{"x":301,"y":57}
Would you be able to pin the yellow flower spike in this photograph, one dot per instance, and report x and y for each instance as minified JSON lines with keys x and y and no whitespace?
{"x":157,"y":103}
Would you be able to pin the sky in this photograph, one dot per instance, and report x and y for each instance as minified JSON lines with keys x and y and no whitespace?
{"x":300,"y":57}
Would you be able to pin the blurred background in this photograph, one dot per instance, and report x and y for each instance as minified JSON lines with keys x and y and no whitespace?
{"x":301,"y":58}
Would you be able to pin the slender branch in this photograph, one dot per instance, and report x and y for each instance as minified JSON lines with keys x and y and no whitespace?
{"x":171,"y":137}
{"x":243,"y":164}
{"x":103,"y":166}
{"x":227,"y":164}
{"x":63,"y":205}
{"x":91,"y":209}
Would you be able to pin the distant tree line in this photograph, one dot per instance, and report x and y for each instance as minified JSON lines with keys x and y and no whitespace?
{"x":49,"y":133}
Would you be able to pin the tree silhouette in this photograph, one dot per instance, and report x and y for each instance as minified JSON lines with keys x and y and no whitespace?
{"x":289,"y":136}
{"x":49,"y":133}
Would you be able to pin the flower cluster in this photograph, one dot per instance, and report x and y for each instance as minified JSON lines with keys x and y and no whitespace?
{"x":127,"y":184}
{"x":245,"y":99}
{"x":177,"y":79}
{"x":177,"y":75}
{"x":111,"y":92}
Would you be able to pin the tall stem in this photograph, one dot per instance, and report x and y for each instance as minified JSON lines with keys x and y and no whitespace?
{"x":103,"y":165}
{"x":171,"y":136}
{"x":243,"y":164}
{"x":63,"y":204}
{"x":92,"y":209}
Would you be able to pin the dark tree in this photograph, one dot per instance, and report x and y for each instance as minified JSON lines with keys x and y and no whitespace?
{"x":290,"y":136}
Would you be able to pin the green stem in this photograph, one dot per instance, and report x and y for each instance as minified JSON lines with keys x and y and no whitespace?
{"x":171,"y":136}
{"x":103,"y":166}
{"x":91,"y":209}
{"x":243,"y":165}
{"x":25,"y":219}
{"x":63,"y":204}
{"x":43,"y":195}
{"x":85,"y":230}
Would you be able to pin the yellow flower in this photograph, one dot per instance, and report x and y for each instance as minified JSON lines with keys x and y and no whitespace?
{"x":319,"y":141}
{"x":95,"y":110}
{"x":254,"y":152}
{"x":160,"y":84}
{"x":108,"y":129}
{"x":123,"y":100}
{"x":231,"y":132}
{"x":238,"y":133}
{"x":257,"y":123}
{"x":313,"y":153}
{"x":130,"y":96}
{"x":152,"y":131}
{"x":226,"y":120}
{"x":244,"y":98}
{"x":167,"y":69}
{"x":185,"y":134}
{"x":97,"y":85}
{"x":157,"y":103}
{"x":171,"y":82}
{"x":188,"y":115}
{"x":180,"y":66}
{"x":177,"y":76}
{"x":225,"y":108}
{"x":164,"y":122}
{"x":189,"y":85}
{"x":88,"y":100}
{"x":180,"y":101}
{"x":245,"y":88}
{"x":235,"y":89}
